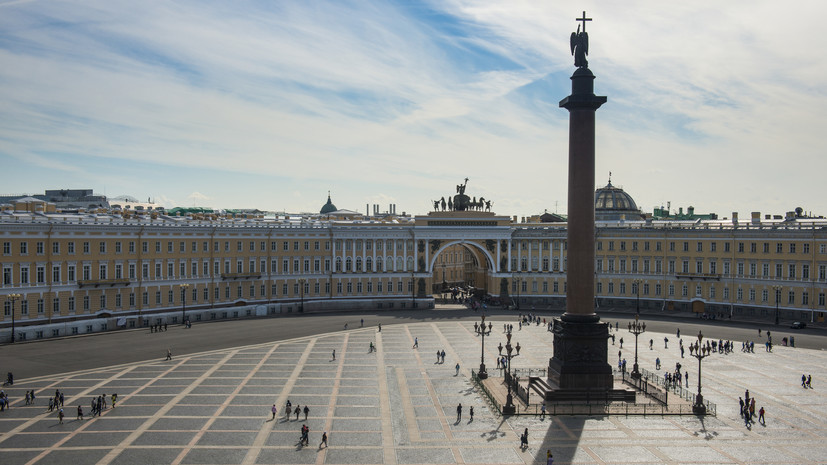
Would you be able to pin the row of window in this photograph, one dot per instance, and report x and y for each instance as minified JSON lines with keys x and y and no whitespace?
{"x":170,"y":246}
{"x":298,"y":266}
{"x":712,"y":294}
{"x":741,"y":268}
{"x":341,"y":289}
{"x":713,"y":246}
{"x":286,"y":246}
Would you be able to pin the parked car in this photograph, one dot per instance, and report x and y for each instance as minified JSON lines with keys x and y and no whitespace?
{"x":798,"y":325}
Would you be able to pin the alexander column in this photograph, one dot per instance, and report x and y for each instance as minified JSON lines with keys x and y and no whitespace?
{"x":580,"y":339}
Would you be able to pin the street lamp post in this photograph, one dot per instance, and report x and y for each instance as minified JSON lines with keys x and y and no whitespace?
{"x":483,"y":374}
{"x":777,"y":289}
{"x":184,"y":303}
{"x":508,"y":408}
{"x":636,"y":328}
{"x":301,"y":290}
{"x":700,"y":352}
{"x":13,"y":298}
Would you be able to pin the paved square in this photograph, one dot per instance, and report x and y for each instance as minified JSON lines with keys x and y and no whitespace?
{"x":397,"y":405}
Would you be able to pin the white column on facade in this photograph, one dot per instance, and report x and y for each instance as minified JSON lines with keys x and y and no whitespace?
{"x":405,"y":256}
{"x":394,"y":254}
{"x":520,"y":255}
{"x":353,"y":256}
{"x":550,"y":255}
{"x":427,"y":255}
{"x":364,"y":254}
{"x":497,"y":258}
{"x":373,"y":245}
{"x":508,"y":264}
{"x":530,"y":255}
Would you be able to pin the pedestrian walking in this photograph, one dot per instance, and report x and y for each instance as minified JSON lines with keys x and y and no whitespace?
{"x":80,"y":413}
{"x":543,"y":412}
{"x":437,"y":356}
{"x":297,"y":411}
{"x":416,"y":343}
{"x":114,"y":400}
{"x":803,"y":381}
{"x":666,"y":343}
{"x":549,"y":457}
{"x":621,"y":343}
{"x":60,"y":416}
{"x":471,"y":412}
{"x":761,"y":416}
{"x":324,"y":440}
{"x":306,"y":411}
{"x":169,"y":354}
{"x":810,"y":381}
{"x":443,"y":356}
{"x":334,"y":354}
{"x":274,"y":410}
{"x":288,"y":407}
{"x":33,"y":397}
{"x":524,"y":439}
{"x":457,"y":367}
{"x":362,"y":322}
{"x":459,"y":412}
{"x":380,"y":327}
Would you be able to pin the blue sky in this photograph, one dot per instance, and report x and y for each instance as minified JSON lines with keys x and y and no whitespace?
{"x":261,"y":104}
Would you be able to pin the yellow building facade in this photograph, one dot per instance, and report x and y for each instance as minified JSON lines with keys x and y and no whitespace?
{"x":80,"y":270}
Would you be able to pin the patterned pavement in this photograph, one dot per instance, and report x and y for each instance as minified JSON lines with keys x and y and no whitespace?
{"x":398,"y":406}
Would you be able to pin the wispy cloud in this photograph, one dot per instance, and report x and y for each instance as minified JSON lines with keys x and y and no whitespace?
{"x":250,"y":102}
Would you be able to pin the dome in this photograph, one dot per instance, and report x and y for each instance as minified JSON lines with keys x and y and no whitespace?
{"x":613,"y":203}
{"x":328,"y":207}
{"x":613,"y":198}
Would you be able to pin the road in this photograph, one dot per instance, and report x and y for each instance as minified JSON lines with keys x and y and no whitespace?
{"x":53,"y":356}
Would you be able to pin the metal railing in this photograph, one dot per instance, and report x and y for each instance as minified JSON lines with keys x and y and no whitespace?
{"x":686,"y":394}
{"x":478,"y":382}
{"x":648,"y":388}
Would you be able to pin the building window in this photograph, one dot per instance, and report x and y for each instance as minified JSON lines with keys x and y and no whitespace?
{"x":791,"y":297}
{"x":792,"y":247}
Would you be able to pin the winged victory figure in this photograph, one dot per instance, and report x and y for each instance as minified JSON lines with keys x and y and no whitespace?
{"x":580,"y":48}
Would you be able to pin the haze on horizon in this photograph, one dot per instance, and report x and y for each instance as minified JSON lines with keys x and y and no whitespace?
{"x":269,"y":105}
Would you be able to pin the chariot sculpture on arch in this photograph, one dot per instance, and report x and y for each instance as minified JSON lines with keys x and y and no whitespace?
{"x":462,"y":202}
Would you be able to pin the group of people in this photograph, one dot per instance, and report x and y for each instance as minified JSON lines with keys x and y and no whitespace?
{"x":747,"y":405}
{"x":807,"y":381}
{"x":4,"y":401}
{"x":304,"y":439}
{"x":157,"y":328}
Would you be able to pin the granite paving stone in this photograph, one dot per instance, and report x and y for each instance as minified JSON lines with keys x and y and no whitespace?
{"x":398,"y":405}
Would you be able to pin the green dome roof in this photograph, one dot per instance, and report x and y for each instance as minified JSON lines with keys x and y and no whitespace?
{"x":328,"y":207}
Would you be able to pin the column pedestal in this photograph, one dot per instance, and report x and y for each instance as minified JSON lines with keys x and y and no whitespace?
{"x":580,"y":355}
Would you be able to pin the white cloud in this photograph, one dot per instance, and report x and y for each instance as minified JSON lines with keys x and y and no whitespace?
{"x":707,"y":104}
